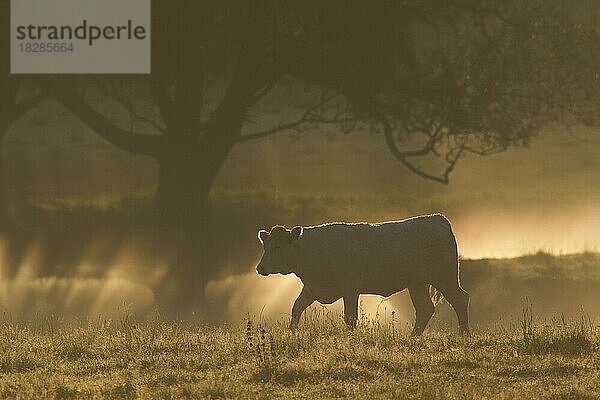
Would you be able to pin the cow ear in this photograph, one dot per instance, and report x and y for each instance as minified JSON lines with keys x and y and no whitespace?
{"x":297,"y":232}
{"x":262,"y":236}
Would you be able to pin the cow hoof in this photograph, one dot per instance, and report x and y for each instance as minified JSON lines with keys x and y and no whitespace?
{"x":350,"y":326}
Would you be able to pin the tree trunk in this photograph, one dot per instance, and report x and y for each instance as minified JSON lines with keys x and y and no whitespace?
{"x":188,"y":168}
{"x":185,"y":178}
{"x":184,"y":184}
{"x":179,"y":195}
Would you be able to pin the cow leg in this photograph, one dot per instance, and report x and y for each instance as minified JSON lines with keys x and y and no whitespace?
{"x":424,"y":308}
{"x":459,"y":300}
{"x":304,"y":300}
{"x":351,"y":309}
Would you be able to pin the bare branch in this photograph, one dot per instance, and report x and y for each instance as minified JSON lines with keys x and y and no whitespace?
{"x":452,"y":156}
{"x":139,"y":144}
{"x":277,"y":129}
{"x":25,"y":106}
{"x":311,"y":115}
{"x":165,"y":103}
{"x":133,"y":114}
{"x":264,"y":91}
{"x":482,"y":11}
{"x":485,"y":152}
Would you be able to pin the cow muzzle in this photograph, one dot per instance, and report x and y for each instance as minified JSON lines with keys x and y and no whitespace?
{"x":261,"y":271}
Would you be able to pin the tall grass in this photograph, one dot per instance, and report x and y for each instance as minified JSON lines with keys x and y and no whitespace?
{"x":260,"y":358}
{"x":556,"y":336}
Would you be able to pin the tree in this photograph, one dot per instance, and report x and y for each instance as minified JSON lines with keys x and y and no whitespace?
{"x":468,"y":76}
{"x":173,"y":100}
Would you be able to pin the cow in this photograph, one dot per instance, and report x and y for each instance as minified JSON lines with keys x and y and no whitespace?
{"x":344,"y":260}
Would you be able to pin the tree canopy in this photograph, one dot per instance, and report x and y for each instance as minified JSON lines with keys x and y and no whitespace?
{"x":465,"y":76}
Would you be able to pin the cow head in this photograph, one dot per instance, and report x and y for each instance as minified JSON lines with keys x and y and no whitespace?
{"x":279,"y":255}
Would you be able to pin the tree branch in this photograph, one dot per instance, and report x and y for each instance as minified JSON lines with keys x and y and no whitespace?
{"x":129,"y":141}
{"x":452,"y":156}
{"x":309,"y":116}
{"x":10,"y":109}
{"x":278,"y":129}
{"x":25,"y":106}
{"x":486,"y":152}
{"x":164,"y":103}
{"x":133,"y":114}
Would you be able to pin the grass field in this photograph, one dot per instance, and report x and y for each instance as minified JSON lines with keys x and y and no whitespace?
{"x":528,"y":354}
{"x":155,"y":360}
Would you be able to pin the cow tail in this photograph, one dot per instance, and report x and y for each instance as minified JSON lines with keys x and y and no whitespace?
{"x":436,"y":295}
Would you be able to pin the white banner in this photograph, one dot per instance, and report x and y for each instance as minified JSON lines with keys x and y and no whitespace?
{"x":80,"y":36}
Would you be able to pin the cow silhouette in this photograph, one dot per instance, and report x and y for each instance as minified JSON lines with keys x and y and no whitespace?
{"x":344,"y":260}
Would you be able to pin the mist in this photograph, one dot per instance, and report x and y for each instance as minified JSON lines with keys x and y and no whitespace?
{"x":536,"y":204}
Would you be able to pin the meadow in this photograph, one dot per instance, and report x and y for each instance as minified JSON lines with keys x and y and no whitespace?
{"x":322,"y":360}
{"x":532,"y":353}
